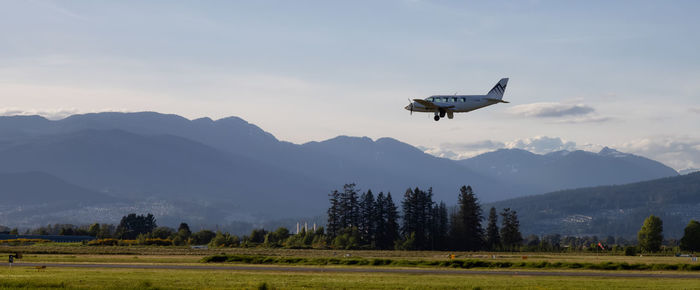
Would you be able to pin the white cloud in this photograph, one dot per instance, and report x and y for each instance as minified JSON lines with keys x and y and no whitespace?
{"x":695,"y":110}
{"x":542,"y":144}
{"x":551,"y":110}
{"x":584,"y":119}
{"x":539,"y":145}
{"x":677,"y":152}
{"x":572,"y":112}
{"x":51,"y":114}
{"x":459,"y":151}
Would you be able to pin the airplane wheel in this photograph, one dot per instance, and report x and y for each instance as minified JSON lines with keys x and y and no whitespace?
{"x":436,"y":118}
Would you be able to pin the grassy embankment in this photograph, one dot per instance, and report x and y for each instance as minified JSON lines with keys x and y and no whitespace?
{"x":76,"y":253}
{"x":451,"y":263}
{"x":91,"y":278}
{"x":54,"y":277}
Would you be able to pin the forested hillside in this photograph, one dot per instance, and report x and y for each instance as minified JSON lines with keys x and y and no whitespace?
{"x":611,"y":210}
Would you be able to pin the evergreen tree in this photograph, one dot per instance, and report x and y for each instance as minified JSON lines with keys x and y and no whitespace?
{"x":184,"y":228}
{"x":650,"y":235}
{"x":456,"y":229}
{"x":367,"y":218}
{"x":408,"y":205}
{"x":469,"y":235}
{"x":510,"y":230}
{"x":493,"y":239}
{"x":386,"y":217}
{"x":132,"y":225}
{"x":349,"y":207}
{"x":440,"y":227}
{"x":333,"y":225}
{"x":417,"y":208}
{"x":380,"y":218}
{"x":691,"y":237}
{"x":392,"y":221}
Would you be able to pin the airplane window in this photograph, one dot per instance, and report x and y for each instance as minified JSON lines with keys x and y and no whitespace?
{"x":454,"y":100}
{"x":462,"y":99}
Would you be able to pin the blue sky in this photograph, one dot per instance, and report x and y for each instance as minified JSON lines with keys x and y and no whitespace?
{"x":584,"y":74}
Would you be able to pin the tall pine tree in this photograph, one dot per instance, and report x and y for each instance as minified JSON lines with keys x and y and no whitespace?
{"x":368,"y":219}
{"x":392,"y":222}
{"x":467,"y":231}
{"x":333,"y":226}
{"x":510,"y":230}
{"x":417,"y":208}
{"x":493,"y":237}
{"x":439,"y":234}
{"x":349,"y":207}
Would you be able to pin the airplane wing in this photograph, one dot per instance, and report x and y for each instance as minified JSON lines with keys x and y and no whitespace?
{"x":430,"y":105}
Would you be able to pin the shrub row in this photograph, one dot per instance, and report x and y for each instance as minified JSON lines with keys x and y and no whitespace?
{"x":462,"y":264}
{"x":15,"y":242}
{"x":116,"y":242}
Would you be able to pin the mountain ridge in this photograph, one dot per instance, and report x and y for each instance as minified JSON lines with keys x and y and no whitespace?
{"x":242,"y":169}
{"x":611,"y":209}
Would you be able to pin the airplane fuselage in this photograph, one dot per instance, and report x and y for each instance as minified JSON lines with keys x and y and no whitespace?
{"x":455,"y":103}
{"x":447,"y":105}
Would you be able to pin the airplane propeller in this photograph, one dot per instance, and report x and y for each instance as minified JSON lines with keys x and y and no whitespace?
{"x":410,"y":103}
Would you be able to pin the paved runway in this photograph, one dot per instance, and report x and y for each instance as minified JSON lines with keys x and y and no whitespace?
{"x":368,"y":270}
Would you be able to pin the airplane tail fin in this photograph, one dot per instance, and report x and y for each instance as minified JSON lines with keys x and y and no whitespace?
{"x":499,"y":89}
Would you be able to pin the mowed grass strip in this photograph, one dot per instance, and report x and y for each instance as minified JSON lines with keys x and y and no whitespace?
{"x":76,"y":249}
{"x":107,"y":278}
{"x":456,"y":263}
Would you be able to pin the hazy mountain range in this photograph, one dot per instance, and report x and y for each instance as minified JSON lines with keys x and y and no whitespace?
{"x":228,"y":170}
{"x":611,"y":210}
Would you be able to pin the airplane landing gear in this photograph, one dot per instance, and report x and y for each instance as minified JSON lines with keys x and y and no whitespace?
{"x":436,"y":118}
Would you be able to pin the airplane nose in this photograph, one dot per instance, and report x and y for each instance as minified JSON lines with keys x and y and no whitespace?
{"x":407,"y":107}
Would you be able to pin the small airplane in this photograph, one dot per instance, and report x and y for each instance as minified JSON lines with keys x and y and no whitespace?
{"x":443,"y":105}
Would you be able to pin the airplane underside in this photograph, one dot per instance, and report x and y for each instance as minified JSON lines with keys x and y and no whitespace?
{"x":442,"y":113}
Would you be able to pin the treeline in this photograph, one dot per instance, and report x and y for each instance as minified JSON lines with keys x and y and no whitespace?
{"x":360,"y":221}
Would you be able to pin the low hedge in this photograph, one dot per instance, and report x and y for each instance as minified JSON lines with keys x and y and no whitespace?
{"x":461,"y":264}
{"x":17,"y":242}
{"x":116,"y":242}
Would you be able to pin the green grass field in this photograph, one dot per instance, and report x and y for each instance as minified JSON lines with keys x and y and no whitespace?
{"x":19,"y":277}
{"x":155,"y":254}
{"x":55,"y":277}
